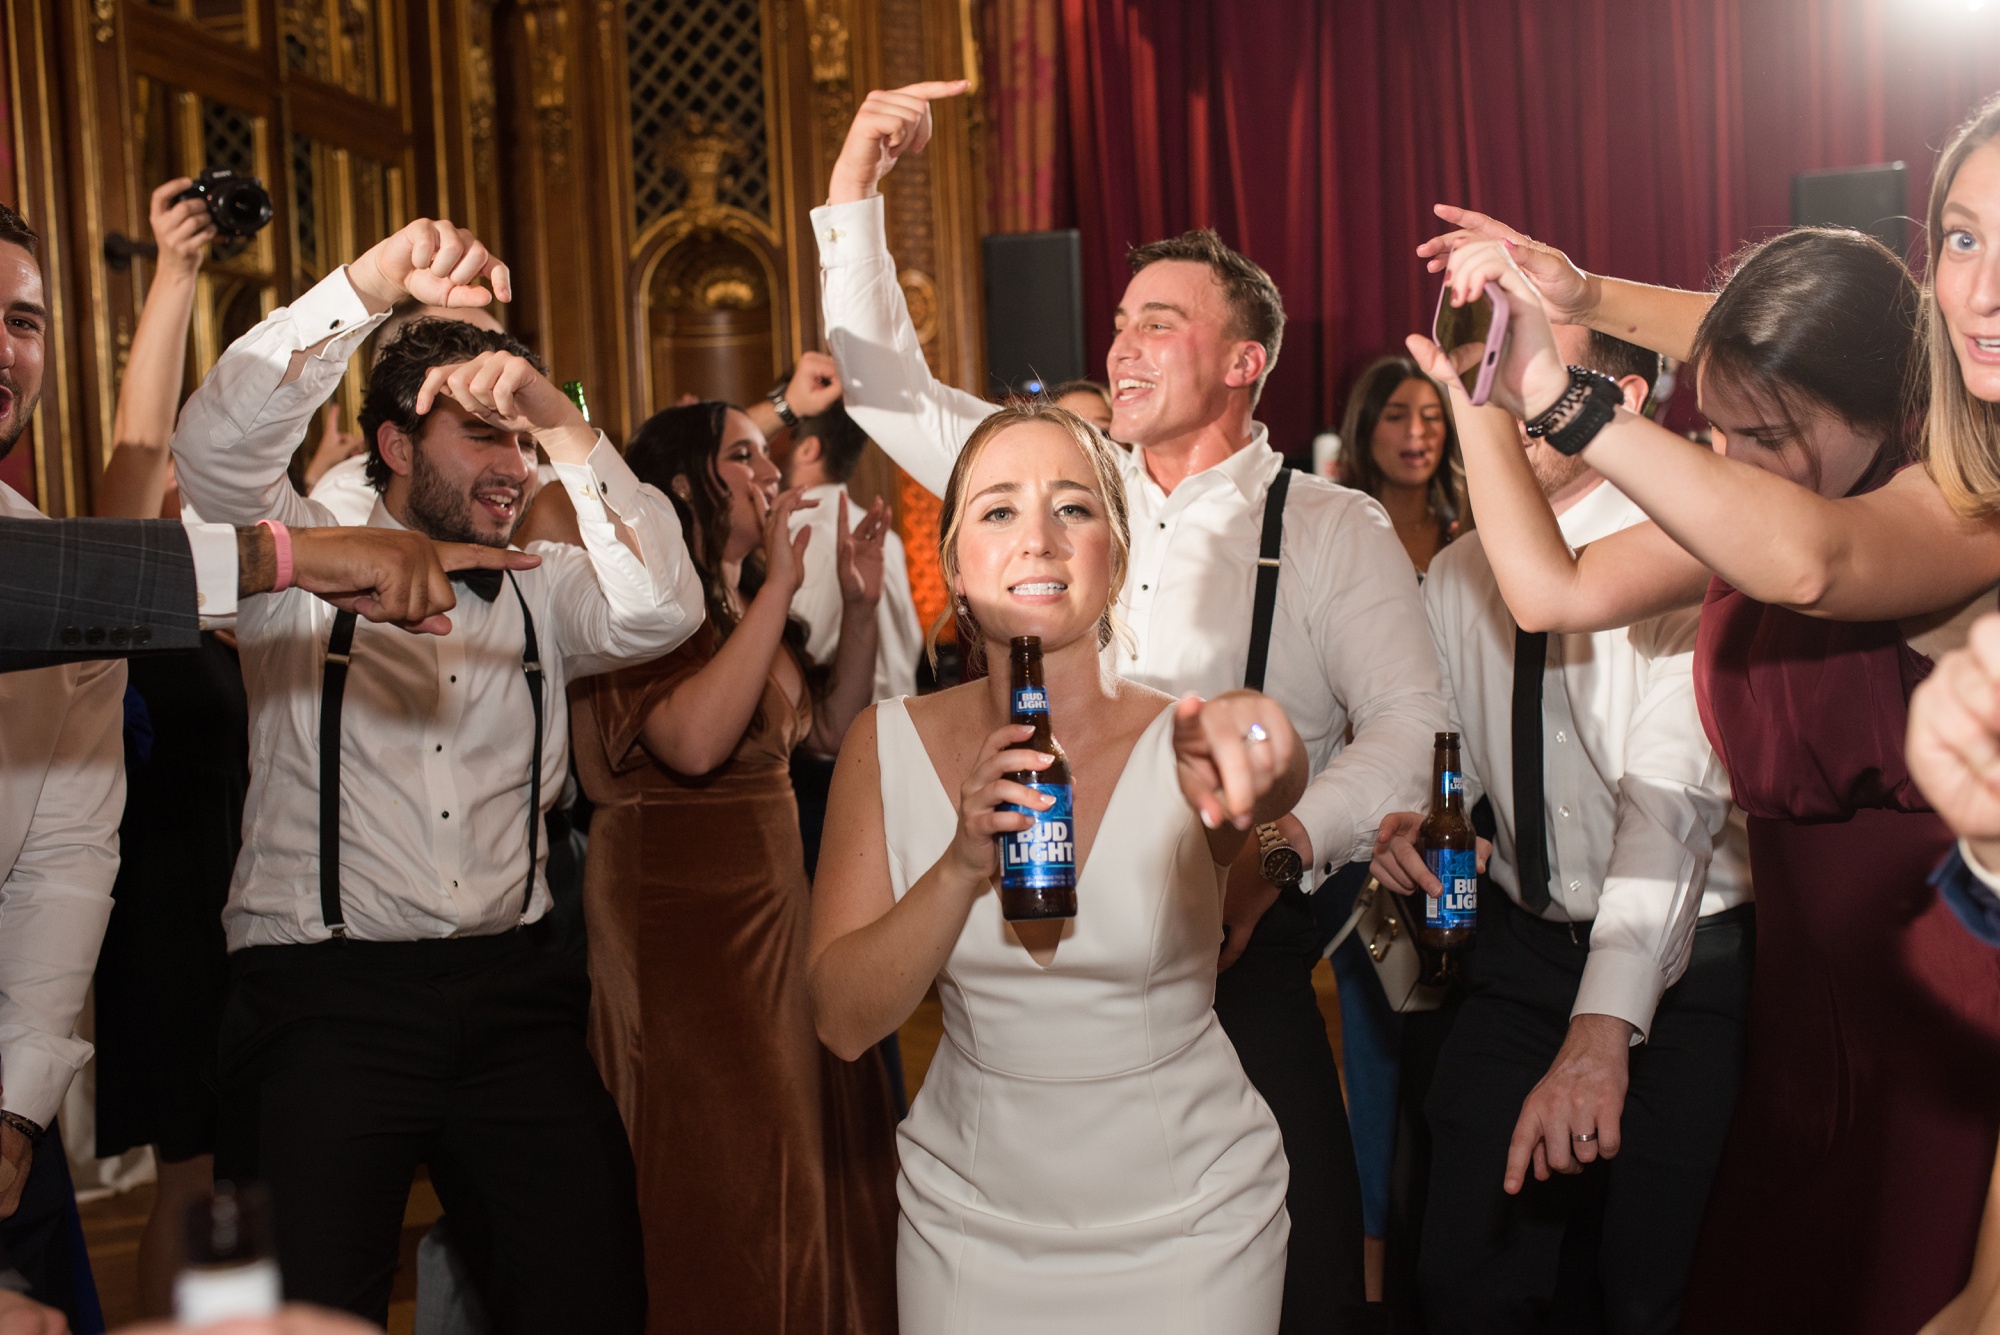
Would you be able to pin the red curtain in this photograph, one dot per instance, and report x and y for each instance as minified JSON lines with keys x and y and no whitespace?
{"x":1650,"y":138}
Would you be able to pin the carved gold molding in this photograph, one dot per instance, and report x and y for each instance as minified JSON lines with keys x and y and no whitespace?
{"x":547,"y":27}
{"x":103,"y":19}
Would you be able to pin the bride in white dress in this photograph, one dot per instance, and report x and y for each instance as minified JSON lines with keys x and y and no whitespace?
{"x":1085,"y":1154}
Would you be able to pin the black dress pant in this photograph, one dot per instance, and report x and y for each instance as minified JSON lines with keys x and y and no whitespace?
{"x":346,"y":1064}
{"x":1267,"y":1007}
{"x":1608,"y":1249}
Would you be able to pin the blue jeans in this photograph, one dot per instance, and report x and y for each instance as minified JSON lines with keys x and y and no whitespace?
{"x":1371,"y":1035}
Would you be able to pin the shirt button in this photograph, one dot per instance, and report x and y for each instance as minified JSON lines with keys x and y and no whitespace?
{"x":1565,"y":812}
{"x":1163,"y":525}
{"x":447,"y":815}
{"x":1144,"y":587}
{"x":440,"y":746}
{"x":454,"y":676}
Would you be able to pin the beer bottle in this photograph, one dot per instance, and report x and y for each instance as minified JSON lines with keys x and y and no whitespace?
{"x":573,"y":390}
{"x":1451,"y":852}
{"x":229,"y":1270}
{"x":1038,"y":864}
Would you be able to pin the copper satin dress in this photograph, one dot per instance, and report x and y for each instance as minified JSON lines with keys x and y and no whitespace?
{"x":766,"y":1165}
{"x":1850,"y":1190}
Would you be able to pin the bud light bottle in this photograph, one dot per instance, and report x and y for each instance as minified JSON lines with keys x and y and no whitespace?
{"x":1038,"y":864}
{"x":1451,"y":850}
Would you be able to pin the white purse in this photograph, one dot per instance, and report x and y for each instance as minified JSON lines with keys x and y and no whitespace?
{"x":1380,"y":918}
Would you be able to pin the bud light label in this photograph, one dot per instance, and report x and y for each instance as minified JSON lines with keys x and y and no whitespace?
{"x":1043,"y":856}
{"x":1454,"y":782}
{"x":1031,"y":700}
{"x":1457,"y":869}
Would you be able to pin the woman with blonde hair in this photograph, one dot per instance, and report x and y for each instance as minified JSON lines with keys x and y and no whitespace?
{"x":1086,"y":1154}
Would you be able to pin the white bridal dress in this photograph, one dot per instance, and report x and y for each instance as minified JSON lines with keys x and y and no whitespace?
{"x":1086,"y":1156}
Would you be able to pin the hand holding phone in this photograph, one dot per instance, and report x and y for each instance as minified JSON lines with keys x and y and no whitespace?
{"x":1472,"y":337}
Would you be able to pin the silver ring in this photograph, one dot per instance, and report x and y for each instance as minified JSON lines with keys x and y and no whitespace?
{"x":1584,"y":1138}
{"x":1255,"y":733}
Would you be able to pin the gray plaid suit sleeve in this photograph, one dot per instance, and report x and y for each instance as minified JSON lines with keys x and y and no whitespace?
{"x":78,"y":589}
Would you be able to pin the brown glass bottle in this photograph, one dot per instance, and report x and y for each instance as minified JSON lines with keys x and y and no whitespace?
{"x":1038,"y":865}
{"x":1451,"y":850}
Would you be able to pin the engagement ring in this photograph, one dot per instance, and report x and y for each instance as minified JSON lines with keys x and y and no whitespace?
{"x":1255,"y":733}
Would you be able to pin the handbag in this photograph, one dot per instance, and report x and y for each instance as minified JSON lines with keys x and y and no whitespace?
{"x":1409,"y":975}
{"x":1382,"y":919}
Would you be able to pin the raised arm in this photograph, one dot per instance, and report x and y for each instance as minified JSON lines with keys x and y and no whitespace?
{"x":142,"y":431}
{"x":1634,"y":574}
{"x":238,"y":432}
{"x":889,"y":388}
{"x":1661,"y":318}
{"x":1897,"y":552}
{"x":858,"y":558}
{"x":872,"y":956}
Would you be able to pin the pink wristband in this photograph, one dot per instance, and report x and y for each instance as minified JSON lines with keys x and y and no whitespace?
{"x":281,"y":545}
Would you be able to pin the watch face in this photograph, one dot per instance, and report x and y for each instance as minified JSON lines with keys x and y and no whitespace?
{"x":1283,"y":865}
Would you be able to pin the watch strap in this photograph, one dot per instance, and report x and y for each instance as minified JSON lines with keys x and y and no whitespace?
{"x":777,"y":400}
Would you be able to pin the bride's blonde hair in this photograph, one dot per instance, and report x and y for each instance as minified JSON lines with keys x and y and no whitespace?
{"x":1097,"y":451}
{"x":1962,"y":435}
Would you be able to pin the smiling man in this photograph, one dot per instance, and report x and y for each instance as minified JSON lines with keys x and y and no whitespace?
{"x":1199,"y":329}
{"x":396,"y":998}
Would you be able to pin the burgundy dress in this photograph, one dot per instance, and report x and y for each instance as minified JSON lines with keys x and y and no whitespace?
{"x":1850,"y":1191}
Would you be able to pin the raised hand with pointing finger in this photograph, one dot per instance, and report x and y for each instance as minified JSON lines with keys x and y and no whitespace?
{"x":890,"y":123}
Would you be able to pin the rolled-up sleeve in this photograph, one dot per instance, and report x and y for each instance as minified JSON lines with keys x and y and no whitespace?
{"x":609,"y":607}
{"x":1375,"y":648}
{"x":56,"y":898}
{"x":1673,"y":801}
{"x":886,"y":385}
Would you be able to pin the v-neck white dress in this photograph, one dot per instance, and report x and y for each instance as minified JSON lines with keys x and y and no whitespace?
{"x":1086,"y":1154}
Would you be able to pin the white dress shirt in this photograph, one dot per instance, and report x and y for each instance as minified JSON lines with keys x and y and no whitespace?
{"x":62,"y":791}
{"x":1348,"y":644}
{"x":1642,"y":837}
{"x":818,"y":602}
{"x":346,"y":492}
{"x":436,"y":730}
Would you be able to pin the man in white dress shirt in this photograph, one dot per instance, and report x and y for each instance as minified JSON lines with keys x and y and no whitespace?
{"x":393,"y":998}
{"x":1198,"y":330}
{"x":1617,"y":874}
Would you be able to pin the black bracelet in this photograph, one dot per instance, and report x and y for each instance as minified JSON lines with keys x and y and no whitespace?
{"x":22,"y":1124}
{"x":1585,"y":408}
{"x":776,"y":398}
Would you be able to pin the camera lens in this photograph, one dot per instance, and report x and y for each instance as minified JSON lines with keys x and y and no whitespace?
{"x":240,"y":208}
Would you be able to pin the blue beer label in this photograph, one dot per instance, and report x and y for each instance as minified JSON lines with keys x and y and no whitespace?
{"x":1454,"y":782}
{"x":1031,"y":700}
{"x":1457,"y":870}
{"x":1043,"y":856}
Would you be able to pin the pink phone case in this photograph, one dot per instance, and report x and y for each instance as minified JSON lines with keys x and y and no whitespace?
{"x":1481,"y":386}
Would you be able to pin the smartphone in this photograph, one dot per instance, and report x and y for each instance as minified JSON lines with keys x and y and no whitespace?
{"x":1472,"y":336}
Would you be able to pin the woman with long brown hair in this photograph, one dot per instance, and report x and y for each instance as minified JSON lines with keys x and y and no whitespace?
{"x":764,"y":1163}
{"x":1852,"y":1188}
{"x":1398,"y":444}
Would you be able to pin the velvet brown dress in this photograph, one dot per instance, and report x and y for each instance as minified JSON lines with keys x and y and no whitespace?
{"x":1850,"y":1190}
{"x":766,"y":1165}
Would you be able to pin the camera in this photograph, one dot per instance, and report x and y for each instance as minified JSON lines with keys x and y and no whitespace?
{"x":239,"y":206}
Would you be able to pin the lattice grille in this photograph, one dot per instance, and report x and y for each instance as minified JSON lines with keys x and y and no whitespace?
{"x":228,"y":138}
{"x":699,"y":59}
{"x":305,"y":208}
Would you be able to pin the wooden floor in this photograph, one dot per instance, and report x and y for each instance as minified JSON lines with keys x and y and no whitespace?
{"x":111,"y":1227}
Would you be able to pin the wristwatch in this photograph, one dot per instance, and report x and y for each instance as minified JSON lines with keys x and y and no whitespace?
{"x":776,"y":398}
{"x":1278,"y":860}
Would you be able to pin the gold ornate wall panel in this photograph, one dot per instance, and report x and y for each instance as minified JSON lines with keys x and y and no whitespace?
{"x":647,"y":167}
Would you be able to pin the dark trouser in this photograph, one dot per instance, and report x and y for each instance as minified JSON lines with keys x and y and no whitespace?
{"x":42,"y":1241}
{"x":346,"y":1064}
{"x":1609,"y":1249}
{"x":1267,"y":1007}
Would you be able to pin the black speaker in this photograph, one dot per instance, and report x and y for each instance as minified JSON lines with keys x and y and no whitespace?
{"x":1034,"y":310}
{"x":1868,"y":199}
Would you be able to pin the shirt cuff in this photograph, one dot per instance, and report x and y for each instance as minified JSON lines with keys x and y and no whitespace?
{"x":1623,"y":985}
{"x":1329,"y":823}
{"x":36,"y":1082}
{"x":1971,"y":892}
{"x":215,"y":573}
{"x":332,"y":309}
{"x":603,"y":481}
{"x":850,"y":233}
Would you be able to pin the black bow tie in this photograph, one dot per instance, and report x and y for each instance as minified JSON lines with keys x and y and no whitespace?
{"x":480,"y":580}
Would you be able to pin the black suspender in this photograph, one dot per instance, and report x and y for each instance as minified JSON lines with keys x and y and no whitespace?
{"x":333,"y":685}
{"x":1266,"y":605}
